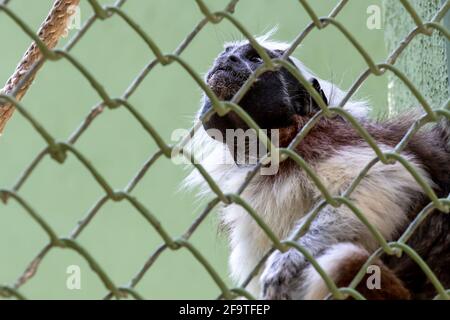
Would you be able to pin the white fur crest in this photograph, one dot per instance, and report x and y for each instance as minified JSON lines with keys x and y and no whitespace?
{"x":335,"y":95}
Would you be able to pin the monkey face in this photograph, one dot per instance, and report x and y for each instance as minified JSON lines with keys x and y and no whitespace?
{"x":274,"y":99}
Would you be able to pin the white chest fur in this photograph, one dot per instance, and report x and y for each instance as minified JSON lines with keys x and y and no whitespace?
{"x":282,"y":200}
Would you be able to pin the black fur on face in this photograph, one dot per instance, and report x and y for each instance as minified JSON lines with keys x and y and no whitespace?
{"x":273,"y":100}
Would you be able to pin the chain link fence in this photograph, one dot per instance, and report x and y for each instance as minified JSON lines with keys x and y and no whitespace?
{"x":59,"y":150}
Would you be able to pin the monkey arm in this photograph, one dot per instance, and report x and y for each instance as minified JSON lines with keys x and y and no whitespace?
{"x":283,"y":276}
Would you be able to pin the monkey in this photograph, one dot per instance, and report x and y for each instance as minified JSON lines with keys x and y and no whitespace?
{"x":389,"y":196}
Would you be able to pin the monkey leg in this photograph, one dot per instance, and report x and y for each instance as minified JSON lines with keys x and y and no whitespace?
{"x":342,"y":262}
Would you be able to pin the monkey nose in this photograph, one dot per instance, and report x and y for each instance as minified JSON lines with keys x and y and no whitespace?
{"x":236,"y":63}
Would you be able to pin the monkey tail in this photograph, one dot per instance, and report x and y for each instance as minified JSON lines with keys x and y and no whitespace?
{"x":342,"y":262}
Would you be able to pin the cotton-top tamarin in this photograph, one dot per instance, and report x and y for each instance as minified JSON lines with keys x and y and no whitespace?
{"x":389,"y":196}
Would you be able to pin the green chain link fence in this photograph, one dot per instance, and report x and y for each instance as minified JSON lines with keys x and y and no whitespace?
{"x":59,"y":150}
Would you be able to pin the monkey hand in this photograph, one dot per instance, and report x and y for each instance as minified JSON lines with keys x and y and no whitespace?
{"x":281,"y":279}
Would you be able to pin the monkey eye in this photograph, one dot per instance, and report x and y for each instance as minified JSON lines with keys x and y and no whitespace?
{"x":254,"y":57}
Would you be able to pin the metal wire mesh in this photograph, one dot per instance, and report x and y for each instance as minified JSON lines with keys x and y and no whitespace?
{"x":58,"y":151}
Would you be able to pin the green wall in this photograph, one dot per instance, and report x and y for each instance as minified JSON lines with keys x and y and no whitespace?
{"x":424,"y":61}
{"x":118,"y":237}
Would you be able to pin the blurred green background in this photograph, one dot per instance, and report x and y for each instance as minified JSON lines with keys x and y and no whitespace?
{"x":118,"y":237}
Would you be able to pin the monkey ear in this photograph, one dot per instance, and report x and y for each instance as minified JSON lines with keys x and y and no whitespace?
{"x":314,"y":106}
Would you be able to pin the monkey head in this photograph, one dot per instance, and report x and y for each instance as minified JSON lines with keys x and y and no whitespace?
{"x":273,"y":101}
